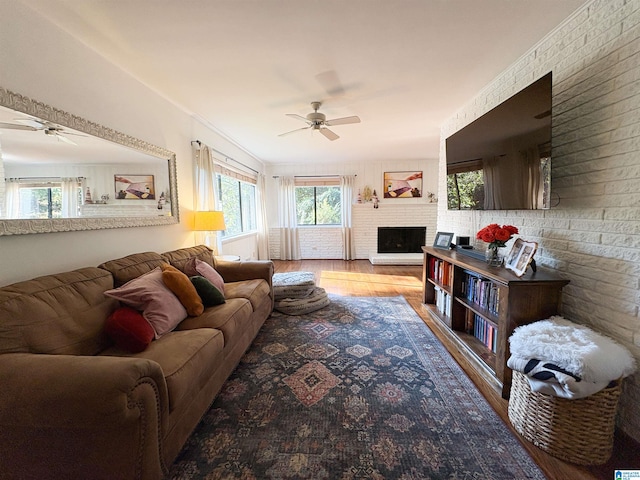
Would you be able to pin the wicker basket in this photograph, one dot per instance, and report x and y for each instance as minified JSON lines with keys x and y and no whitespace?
{"x":578,"y":431}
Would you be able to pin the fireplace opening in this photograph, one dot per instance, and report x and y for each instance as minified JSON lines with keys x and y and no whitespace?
{"x":401,"y":239}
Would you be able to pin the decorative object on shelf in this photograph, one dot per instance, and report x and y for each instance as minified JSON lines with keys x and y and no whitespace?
{"x":497,"y":237}
{"x":374,"y":198}
{"x":366,"y":194}
{"x":521,"y":256}
{"x":443,"y":240}
{"x":402,"y":184}
{"x":359,"y":200}
{"x":87,"y":196}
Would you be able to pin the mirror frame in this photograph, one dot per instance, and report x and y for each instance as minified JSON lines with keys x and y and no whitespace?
{"x":23,"y":104}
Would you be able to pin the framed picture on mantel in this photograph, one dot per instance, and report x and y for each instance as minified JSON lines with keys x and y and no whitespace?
{"x":402,"y":184}
{"x":134,"y":187}
{"x":520,"y":256}
{"x":443,"y":240}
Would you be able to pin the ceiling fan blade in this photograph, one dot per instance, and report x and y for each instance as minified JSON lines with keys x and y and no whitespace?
{"x":293,"y":131}
{"x":330,"y":81}
{"x":65,"y":139}
{"x":328,"y":133}
{"x":13,"y":126}
{"x":32,"y":122}
{"x":342,"y":121}
{"x":298,"y":117}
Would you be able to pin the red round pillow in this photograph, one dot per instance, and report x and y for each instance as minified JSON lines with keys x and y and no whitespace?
{"x":129,"y":329}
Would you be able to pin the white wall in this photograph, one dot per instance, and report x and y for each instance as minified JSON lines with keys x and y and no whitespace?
{"x":593,"y":236}
{"x":39,"y":60}
{"x":326,"y":242}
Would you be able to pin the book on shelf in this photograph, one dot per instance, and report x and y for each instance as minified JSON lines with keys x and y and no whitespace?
{"x":443,"y":301}
{"x":486,"y":332}
{"x":481,"y":291}
{"x":441,"y":271}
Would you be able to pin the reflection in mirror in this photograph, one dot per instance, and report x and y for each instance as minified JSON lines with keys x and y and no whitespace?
{"x":59,"y":172}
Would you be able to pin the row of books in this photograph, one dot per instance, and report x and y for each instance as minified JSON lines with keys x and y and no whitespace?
{"x":441,"y":271}
{"x":486,"y":332}
{"x":482,"y":292}
{"x":443,"y":301}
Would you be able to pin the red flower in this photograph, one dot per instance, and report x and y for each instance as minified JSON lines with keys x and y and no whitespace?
{"x":497,"y":234}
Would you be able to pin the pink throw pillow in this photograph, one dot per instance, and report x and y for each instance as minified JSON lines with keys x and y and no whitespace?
{"x":195,"y":267}
{"x":148,"y":293}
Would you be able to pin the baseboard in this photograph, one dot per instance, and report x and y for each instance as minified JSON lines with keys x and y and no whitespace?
{"x":396,"y":258}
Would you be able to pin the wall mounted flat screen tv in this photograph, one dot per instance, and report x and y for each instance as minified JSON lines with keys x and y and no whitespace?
{"x":502,"y":160}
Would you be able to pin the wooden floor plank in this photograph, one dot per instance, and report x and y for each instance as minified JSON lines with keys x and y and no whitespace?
{"x":361,"y":278}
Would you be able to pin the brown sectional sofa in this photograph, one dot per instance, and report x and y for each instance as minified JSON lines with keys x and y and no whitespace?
{"x":75,"y":406}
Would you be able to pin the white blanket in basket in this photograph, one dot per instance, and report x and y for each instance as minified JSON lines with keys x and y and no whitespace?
{"x":567,"y":360}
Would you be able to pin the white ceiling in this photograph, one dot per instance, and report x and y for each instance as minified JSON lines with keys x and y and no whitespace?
{"x":403,"y":66}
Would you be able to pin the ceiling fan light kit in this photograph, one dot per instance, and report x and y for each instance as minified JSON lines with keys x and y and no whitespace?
{"x":318,"y":121}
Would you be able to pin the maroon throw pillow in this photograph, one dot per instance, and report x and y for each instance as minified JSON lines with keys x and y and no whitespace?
{"x":129,"y":330}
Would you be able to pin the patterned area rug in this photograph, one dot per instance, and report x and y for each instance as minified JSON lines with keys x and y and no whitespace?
{"x":360,"y":389}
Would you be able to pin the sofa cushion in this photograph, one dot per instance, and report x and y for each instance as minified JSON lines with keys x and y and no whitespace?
{"x":179,"y":258}
{"x":195,"y":266}
{"x":230,"y":317}
{"x":148,"y":293}
{"x":182,"y":287}
{"x":129,"y":330}
{"x":253,"y":290}
{"x":207,"y":291}
{"x":57,"y":314}
{"x":187,"y":358}
{"x":127,"y":268}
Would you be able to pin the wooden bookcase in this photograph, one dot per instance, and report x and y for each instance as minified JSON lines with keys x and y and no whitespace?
{"x":477,"y":307}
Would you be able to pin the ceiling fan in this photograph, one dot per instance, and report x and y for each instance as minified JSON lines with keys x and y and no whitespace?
{"x":318,"y":121}
{"x":48,"y":128}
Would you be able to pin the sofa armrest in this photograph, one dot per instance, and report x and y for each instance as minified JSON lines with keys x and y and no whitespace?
{"x":247,"y":270}
{"x":65,"y":416}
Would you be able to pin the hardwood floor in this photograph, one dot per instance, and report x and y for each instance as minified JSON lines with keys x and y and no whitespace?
{"x":361,"y":278}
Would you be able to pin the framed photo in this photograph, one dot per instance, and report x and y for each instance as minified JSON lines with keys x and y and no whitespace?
{"x":402,"y":184}
{"x":443,"y":240}
{"x":134,"y":187}
{"x":520,"y":256}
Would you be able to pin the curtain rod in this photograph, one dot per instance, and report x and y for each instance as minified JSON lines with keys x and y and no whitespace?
{"x":313,"y":176}
{"x":226,"y":157}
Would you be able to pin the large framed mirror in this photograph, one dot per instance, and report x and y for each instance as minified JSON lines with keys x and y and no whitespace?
{"x":60,"y":173}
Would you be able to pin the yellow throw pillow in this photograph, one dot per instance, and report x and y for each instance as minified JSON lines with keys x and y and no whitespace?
{"x":181,"y":286}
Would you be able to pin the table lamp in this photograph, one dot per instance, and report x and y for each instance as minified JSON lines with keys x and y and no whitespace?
{"x":209,"y":221}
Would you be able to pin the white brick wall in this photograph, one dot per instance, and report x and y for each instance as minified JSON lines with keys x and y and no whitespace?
{"x":326,"y":242}
{"x":592,"y":237}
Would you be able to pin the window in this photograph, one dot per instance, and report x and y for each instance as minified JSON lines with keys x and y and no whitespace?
{"x":41,"y":201}
{"x":318,"y":205}
{"x":238,"y":199}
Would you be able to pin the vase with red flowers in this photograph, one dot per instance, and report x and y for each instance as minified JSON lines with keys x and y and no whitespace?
{"x":496,"y":236}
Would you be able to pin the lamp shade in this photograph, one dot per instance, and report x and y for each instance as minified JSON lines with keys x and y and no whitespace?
{"x":209,"y":221}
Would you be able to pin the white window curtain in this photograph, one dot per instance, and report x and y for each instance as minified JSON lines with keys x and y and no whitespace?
{"x":289,"y":239}
{"x":494,"y":183}
{"x":206,"y":191}
{"x":12,"y":198}
{"x":206,"y":194}
{"x":70,"y":203}
{"x":532,"y":178}
{"x":263,"y":225}
{"x":347,"y":183}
